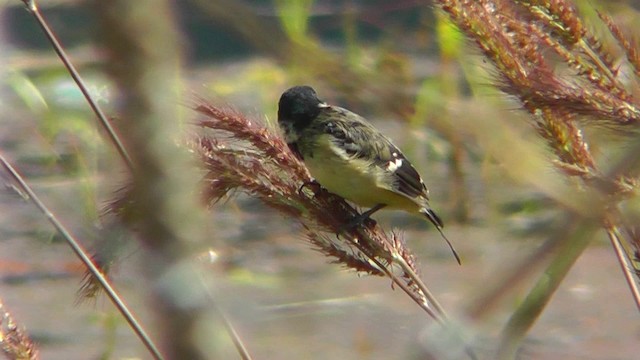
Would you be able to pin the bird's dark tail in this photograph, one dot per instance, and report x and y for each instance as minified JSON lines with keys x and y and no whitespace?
{"x":438,"y":224}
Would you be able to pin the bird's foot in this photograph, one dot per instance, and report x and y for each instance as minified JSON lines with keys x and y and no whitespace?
{"x":313,"y":185}
{"x":359,"y":220}
{"x":362,"y":219}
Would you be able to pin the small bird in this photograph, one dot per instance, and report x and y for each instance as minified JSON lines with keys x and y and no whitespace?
{"x":351,"y":158}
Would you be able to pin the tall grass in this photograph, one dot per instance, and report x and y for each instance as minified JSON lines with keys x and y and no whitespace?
{"x":567,"y":78}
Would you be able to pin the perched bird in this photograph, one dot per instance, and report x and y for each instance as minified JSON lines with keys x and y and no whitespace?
{"x":351,"y":158}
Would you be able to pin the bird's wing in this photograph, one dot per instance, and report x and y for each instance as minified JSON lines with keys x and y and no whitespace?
{"x":409,"y":182}
{"x":361,"y":140}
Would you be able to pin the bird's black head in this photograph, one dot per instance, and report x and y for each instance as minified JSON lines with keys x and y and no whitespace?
{"x":298,"y":106}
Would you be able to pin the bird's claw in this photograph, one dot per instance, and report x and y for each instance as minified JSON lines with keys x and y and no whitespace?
{"x":359,"y":220}
{"x":314,"y":185}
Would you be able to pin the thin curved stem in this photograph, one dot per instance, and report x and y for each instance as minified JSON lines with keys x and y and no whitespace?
{"x":235,"y":337}
{"x":625,"y":264}
{"x":35,"y":11}
{"x":427,"y":302}
{"x":85,"y":258}
{"x":530,"y":309}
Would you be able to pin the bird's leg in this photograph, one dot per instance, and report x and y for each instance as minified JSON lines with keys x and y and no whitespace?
{"x":370,"y":212}
{"x":363,"y":218}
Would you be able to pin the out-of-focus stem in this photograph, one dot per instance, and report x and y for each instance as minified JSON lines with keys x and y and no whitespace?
{"x":528,"y":312}
{"x":141,"y":39}
{"x":501,"y":287}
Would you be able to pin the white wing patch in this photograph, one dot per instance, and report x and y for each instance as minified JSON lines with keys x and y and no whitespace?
{"x":393,"y":165}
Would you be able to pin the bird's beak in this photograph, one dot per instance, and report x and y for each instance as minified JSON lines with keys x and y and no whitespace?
{"x":323,"y":105}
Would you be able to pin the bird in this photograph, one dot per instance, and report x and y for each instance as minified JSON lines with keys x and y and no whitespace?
{"x":349,"y":157}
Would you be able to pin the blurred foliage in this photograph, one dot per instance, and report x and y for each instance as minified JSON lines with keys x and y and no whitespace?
{"x":294,"y":16}
{"x":384,"y":60}
{"x":388,"y":60}
{"x":65,"y":125}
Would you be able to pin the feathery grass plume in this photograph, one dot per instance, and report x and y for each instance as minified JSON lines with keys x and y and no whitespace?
{"x":239,"y":154}
{"x":254,"y":160}
{"x":15,"y":344}
{"x":566,"y":78}
{"x":517,"y":37}
{"x":505,"y":32}
{"x":107,"y":249}
{"x":515,"y":46}
{"x":630,"y":46}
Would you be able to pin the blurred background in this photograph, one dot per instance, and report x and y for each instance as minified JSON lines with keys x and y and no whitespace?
{"x":398,"y":63}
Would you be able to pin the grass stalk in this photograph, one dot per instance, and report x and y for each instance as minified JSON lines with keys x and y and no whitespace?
{"x":241,"y":348}
{"x":85,"y":258}
{"x":32,"y":7}
{"x":532,"y":306}
{"x":626,"y":264}
{"x":505,"y":285}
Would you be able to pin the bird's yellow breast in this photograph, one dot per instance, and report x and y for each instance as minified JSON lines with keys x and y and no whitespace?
{"x":352,"y":178}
